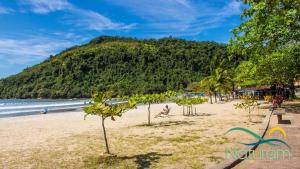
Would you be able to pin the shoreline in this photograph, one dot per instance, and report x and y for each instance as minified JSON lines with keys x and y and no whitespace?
{"x":50,"y":110}
{"x":34,"y":107}
{"x":39,"y":112}
{"x":32,"y":138}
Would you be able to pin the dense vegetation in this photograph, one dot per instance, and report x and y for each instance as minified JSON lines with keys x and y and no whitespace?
{"x":122,"y":65}
{"x":269,"y":35}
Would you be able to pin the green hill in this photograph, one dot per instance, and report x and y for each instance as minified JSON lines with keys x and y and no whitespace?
{"x":122,"y":65}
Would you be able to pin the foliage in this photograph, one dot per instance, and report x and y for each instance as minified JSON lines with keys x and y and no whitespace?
{"x":245,"y":74}
{"x":274,"y":68}
{"x":189,"y":102}
{"x":184,"y":101}
{"x":124,"y":65}
{"x":208,"y":84}
{"x":248,"y":104}
{"x":219,"y":81}
{"x":279,"y":67}
{"x":269,"y":35}
{"x":268,"y":25}
{"x":104,"y":106}
{"x":223,"y":80}
{"x":268,"y":98}
{"x":153,"y":98}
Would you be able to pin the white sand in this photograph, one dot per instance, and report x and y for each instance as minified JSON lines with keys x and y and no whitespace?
{"x":36,"y":141}
{"x":33,"y":131}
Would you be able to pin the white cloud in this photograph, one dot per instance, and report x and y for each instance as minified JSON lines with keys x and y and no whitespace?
{"x":4,"y":10}
{"x":18,"y":51}
{"x":94,"y":21}
{"x":162,"y":10}
{"x":46,"y":6}
{"x":183,"y":2}
{"x":77,"y":16}
{"x":28,"y":51}
{"x":232,"y":8}
{"x":180,"y":17}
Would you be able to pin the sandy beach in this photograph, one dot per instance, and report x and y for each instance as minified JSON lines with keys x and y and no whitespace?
{"x":67,"y":140}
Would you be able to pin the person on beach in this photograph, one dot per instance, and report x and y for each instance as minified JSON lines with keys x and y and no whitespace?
{"x":165,"y":111}
{"x":45,"y":111}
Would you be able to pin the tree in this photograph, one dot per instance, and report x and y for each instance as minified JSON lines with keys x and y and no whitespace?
{"x":104,"y":107}
{"x":268,"y":25}
{"x":248,"y":104}
{"x":274,"y":68}
{"x":218,"y":82}
{"x":149,"y":99}
{"x":223,"y":81}
{"x":245,"y":74}
{"x":208,"y":85}
{"x":278,"y":67}
{"x":269,"y":35}
{"x":189,"y":102}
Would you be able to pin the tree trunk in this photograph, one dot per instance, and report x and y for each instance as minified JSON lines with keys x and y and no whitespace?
{"x":149,"y":114}
{"x":292,"y":89}
{"x":105,"y":138}
{"x":210,"y":98}
{"x":233,"y":91}
{"x":182,"y":110}
{"x":215,"y":97}
{"x":187,"y":109}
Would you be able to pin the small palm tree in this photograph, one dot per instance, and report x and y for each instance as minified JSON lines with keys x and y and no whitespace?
{"x":208,"y":84}
{"x":223,"y":81}
{"x":218,"y":82}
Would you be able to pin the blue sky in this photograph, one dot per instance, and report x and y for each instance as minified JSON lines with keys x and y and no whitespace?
{"x":31,"y":30}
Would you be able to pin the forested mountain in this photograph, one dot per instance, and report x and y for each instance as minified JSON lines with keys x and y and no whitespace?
{"x":122,"y":65}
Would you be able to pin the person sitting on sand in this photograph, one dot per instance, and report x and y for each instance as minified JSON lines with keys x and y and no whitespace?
{"x":165,"y":111}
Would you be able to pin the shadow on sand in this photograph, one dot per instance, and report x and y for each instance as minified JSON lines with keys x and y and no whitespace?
{"x":284,"y":122}
{"x":199,"y":114}
{"x":256,"y":121}
{"x":292,"y":108}
{"x":142,"y":160}
{"x":167,"y":124}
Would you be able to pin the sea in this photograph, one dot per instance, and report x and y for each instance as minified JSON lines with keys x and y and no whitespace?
{"x":21,"y":107}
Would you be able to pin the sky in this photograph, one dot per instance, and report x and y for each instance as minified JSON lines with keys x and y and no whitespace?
{"x":32,"y":30}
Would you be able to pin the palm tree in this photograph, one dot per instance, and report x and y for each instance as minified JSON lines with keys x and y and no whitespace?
{"x":218,"y":82}
{"x":208,"y":84}
{"x":223,"y":81}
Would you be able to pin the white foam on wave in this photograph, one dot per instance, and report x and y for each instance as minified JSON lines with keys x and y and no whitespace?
{"x":39,"y":106}
{"x":32,"y":107}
